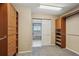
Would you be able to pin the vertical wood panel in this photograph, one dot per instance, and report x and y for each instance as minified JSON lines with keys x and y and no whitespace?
{"x":12,"y":33}
{"x":63,"y":28}
{"x":58,"y":23}
{"x":3,"y":29}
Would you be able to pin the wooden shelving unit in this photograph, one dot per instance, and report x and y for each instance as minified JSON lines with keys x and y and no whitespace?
{"x":60,"y":25}
{"x":7,"y":30}
{"x":58,"y":37}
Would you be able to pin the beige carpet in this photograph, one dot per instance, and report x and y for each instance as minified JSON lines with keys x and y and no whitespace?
{"x":49,"y":51}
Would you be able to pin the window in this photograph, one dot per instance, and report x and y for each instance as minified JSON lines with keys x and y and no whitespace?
{"x":36,"y":27}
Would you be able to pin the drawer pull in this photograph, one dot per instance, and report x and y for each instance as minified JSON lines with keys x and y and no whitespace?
{"x":3,"y":38}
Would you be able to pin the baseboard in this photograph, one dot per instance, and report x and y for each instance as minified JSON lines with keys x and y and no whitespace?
{"x":49,"y":45}
{"x":46,"y":45}
{"x":15,"y":54}
{"x":52,"y":44}
{"x":24,"y":51}
{"x":73,"y":51}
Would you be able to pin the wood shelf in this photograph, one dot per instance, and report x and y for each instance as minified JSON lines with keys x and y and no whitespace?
{"x":58,"y":40}
{"x":58,"y":45}
{"x":58,"y":36}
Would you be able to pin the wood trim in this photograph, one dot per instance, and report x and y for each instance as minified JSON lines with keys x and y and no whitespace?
{"x":63,"y":29}
{"x":16,"y":32}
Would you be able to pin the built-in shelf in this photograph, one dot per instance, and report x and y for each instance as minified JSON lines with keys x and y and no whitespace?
{"x":58,"y":44}
{"x":60,"y":30}
{"x":58,"y":35}
{"x":59,"y":40}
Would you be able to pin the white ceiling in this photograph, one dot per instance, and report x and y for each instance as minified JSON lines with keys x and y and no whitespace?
{"x":35,"y":9}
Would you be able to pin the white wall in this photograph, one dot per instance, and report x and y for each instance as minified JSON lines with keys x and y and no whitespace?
{"x":45,"y":16}
{"x":72,"y":27}
{"x":25,"y":28}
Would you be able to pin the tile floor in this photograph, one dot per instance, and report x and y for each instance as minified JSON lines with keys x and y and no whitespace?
{"x":49,"y":51}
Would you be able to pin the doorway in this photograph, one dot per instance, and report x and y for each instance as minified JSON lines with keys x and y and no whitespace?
{"x":41,"y":32}
{"x":37,"y":33}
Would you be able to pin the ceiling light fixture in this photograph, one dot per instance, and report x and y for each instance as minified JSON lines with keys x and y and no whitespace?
{"x":50,"y":7}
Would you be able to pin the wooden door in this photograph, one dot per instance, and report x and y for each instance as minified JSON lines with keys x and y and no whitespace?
{"x":3,"y":29}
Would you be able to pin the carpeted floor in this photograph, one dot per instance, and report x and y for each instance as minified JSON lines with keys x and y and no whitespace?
{"x":49,"y":51}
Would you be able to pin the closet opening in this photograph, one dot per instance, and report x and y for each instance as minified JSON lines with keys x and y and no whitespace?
{"x":41,"y":32}
{"x":37,"y":33}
